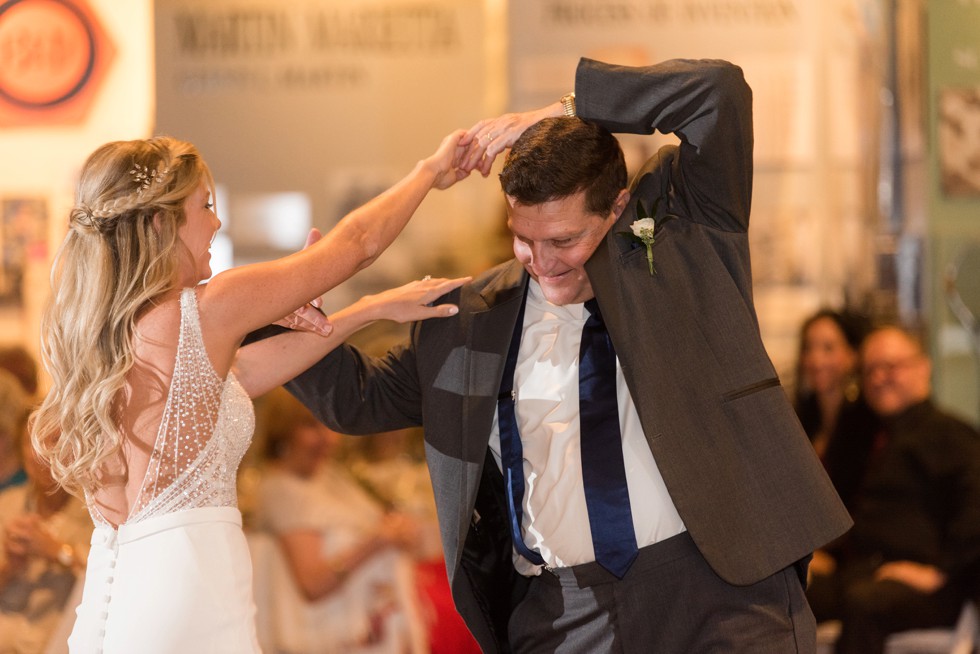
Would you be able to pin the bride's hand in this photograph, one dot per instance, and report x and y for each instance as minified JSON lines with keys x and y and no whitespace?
{"x":308,"y":318}
{"x":447,"y":160}
{"x":413,"y":301}
{"x":492,"y":136}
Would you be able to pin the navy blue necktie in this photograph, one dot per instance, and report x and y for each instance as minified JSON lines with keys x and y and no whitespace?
{"x":603,"y":471}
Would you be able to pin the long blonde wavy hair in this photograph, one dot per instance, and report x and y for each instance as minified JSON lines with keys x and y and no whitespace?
{"x":121,"y":253}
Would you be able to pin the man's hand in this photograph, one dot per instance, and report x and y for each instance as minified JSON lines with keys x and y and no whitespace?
{"x":15,"y":554}
{"x":27,"y":536}
{"x":923,"y":578}
{"x":399,"y":530}
{"x":308,"y":318}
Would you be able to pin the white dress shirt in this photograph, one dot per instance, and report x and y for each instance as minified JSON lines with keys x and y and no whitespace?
{"x":556,"y":520}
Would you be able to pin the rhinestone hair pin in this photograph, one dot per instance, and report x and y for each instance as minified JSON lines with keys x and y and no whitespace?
{"x":143,"y":176}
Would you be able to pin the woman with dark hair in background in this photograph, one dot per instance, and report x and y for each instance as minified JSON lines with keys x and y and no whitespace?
{"x":831,"y":408}
{"x":828,"y":397}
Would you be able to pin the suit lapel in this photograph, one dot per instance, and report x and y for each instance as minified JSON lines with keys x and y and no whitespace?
{"x":619,"y":276}
{"x":493,"y":312}
{"x":607,"y":272}
{"x":490,"y":329}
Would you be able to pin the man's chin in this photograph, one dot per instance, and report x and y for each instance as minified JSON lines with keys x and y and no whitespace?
{"x":558,"y":295}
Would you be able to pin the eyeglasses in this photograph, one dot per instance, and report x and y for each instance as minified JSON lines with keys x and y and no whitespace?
{"x":889,"y":368}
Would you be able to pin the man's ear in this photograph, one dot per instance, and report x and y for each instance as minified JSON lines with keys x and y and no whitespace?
{"x":620,"y":204}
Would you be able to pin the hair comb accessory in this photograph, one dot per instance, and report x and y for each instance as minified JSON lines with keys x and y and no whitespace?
{"x":143,"y":176}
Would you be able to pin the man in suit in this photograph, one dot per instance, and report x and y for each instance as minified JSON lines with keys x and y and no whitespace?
{"x":913,"y":556}
{"x":685,"y":525}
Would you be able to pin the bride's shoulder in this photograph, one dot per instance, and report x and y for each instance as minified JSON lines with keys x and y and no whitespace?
{"x":159,"y":320}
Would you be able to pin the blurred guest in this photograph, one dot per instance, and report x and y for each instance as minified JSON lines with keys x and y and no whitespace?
{"x":19,"y":363}
{"x":829,"y":402}
{"x":392,"y":464}
{"x":44,"y":535}
{"x":914,"y":551}
{"x":827,"y":386}
{"x":345,"y":551}
{"x":14,"y":408}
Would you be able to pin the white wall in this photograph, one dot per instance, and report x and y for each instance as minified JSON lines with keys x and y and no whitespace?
{"x":42,"y":162}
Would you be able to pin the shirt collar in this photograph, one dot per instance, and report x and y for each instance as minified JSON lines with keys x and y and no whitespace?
{"x":537,"y":301}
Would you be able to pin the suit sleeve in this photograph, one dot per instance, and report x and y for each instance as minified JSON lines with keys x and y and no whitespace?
{"x":706,"y":104}
{"x":354,"y":393}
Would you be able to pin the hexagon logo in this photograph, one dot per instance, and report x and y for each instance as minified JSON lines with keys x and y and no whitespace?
{"x":54,"y":55}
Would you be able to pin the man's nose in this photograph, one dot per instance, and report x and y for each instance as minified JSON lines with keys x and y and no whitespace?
{"x":875,"y":375}
{"x":542,"y":258}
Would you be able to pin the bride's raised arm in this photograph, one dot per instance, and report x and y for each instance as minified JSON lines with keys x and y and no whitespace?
{"x":243,"y":299}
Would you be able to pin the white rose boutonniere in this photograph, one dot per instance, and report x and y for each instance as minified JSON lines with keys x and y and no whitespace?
{"x":643,"y":229}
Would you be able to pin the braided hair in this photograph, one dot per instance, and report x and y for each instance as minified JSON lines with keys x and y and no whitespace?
{"x":121,"y":252}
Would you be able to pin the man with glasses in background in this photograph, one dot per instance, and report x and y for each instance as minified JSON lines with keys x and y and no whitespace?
{"x":913,"y":556}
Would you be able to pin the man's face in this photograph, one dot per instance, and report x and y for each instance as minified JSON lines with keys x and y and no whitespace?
{"x":554,"y":240}
{"x":895,"y":372}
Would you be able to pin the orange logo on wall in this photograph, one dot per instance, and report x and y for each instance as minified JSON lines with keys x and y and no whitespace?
{"x":53,"y":56}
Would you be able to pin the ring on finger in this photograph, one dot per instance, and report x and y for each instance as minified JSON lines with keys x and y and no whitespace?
{"x":427,"y":278}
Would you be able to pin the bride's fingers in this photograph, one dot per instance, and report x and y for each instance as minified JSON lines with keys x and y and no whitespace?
{"x":414,"y":309}
{"x":444,"y":285}
{"x":437,"y":284}
{"x":307,"y":319}
{"x":441,"y":310}
{"x":436,"y":288}
{"x":312,"y":237}
{"x":471,"y":133}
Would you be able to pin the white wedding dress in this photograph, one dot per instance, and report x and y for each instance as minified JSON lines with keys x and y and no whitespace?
{"x":176,"y":576}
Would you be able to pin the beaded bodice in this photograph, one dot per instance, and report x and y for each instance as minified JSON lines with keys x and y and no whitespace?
{"x":206,"y":428}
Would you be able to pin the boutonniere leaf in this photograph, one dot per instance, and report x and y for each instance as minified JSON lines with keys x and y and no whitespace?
{"x":642,"y":230}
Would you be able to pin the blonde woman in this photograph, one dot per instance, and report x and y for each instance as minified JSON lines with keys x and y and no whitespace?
{"x":149,"y":413}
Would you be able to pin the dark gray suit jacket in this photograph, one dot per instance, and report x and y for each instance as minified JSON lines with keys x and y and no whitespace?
{"x":735,"y":460}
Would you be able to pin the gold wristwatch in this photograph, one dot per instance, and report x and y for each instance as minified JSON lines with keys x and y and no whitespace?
{"x":568,"y":103}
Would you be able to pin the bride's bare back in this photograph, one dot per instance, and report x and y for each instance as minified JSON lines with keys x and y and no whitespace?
{"x":181,"y":444}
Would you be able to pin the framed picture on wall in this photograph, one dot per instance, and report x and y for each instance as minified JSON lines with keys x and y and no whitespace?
{"x":959,"y":141}
{"x":23,"y":229}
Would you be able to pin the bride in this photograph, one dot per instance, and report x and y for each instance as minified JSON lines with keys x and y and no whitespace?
{"x":149,"y":412}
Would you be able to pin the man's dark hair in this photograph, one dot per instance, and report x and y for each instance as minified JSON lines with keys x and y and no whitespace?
{"x":559,"y":157}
